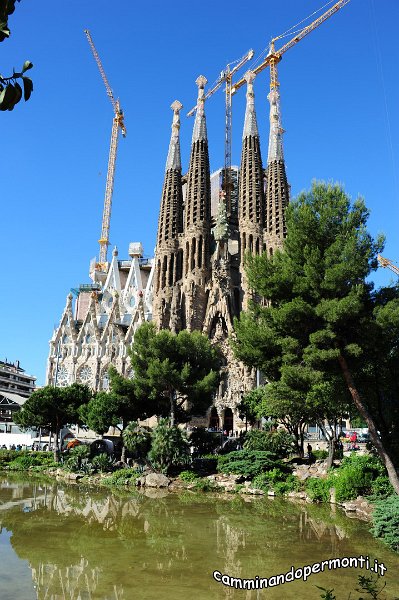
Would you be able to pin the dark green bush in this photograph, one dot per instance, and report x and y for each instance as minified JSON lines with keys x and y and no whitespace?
{"x":386,"y":521}
{"x":188,"y":476}
{"x":249,"y":463}
{"x":169,"y":447}
{"x":205,"y":485}
{"x":137,"y":439}
{"x":381,"y":487}
{"x":320,"y":454}
{"x":102,"y":463}
{"x":204,"y":442}
{"x":279,"y":442}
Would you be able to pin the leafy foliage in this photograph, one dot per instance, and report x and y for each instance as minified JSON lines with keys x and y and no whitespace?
{"x":174,"y":374}
{"x":31,"y":460}
{"x":386,"y":522}
{"x":188,"y":476}
{"x":137,"y":439}
{"x":169,"y":447}
{"x":10,"y":90}
{"x":279,"y":442}
{"x":102,"y":463}
{"x":54,"y":407}
{"x":248,"y":463}
{"x":318,"y":489}
{"x":355,"y":476}
{"x":325,"y":339}
{"x":279,"y":481}
{"x":122,"y":477}
{"x":203,"y":442}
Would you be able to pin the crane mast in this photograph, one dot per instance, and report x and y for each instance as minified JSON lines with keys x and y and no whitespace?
{"x":226,"y":77}
{"x":385,"y":262}
{"x":117,"y":124}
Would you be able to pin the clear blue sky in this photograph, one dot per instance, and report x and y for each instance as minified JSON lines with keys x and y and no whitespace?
{"x":339,"y":98}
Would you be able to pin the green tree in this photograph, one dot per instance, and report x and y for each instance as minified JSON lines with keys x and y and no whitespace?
{"x":322,"y":315}
{"x":10,"y":90}
{"x":115,"y":408}
{"x":175,"y":374}
{"x":54,"y":407}
{"x":169,"y":447}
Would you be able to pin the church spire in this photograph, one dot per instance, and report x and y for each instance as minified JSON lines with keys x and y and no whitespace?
{"x":276,"y":130}
{"x":168,"y":261}
{"x":251,"y":201}
{"x":277,"y":188}
{"x":250,"y":122}
{"x":174,"y":159}
{"x":198,"y":198}
{"x":171,"y":214}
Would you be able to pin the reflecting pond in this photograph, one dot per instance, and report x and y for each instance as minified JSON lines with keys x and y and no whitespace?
{"x":78,"y":543}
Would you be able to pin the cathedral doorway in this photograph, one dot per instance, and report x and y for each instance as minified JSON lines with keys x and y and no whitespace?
{"x":228,"y":421}
{"x":214,"y":422}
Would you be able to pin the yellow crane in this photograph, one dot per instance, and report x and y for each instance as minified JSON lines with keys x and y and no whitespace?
{"x":117,"y":124}
{"x":226,"y":77}
{"x":274,"y":56}
{"x":385,"y":262}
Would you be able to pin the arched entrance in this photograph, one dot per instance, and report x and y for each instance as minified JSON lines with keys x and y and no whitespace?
{"x":228,"y":421}
{"x":214,"y":422}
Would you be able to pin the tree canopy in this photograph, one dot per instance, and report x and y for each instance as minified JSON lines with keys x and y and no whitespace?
{"x":10,"y":90}
{"x":175,"y":374}
{"x":322,"y":323}
{"x":53,"y":407}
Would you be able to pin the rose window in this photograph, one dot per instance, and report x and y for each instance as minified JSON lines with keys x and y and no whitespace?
{"x":62,"y":376}
{"x":85,"y":374}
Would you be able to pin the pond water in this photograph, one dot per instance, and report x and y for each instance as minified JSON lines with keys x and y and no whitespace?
{"x":76,"y":543}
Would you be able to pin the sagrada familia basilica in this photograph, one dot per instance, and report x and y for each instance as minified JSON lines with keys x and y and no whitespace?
{"x":197,"y":279}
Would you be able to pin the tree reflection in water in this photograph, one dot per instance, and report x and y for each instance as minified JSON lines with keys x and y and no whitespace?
{"x":84,"y":543}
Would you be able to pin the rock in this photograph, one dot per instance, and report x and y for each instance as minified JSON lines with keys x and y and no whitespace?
{"x":156,"y":480}
{"x":271,"y":493}
{"x":255,"y":492}
{"x":349,"y":507}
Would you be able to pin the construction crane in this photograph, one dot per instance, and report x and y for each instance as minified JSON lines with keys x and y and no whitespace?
{"x":117,"y":124}
{"x":226,"y":77}
{"x":274,"y":56}
{"x":385,"y":262}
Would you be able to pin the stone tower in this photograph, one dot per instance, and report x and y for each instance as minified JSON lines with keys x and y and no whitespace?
{"x":277,"y":188}
{"x":251,"y":196}
{"x":168,"y":256}
{"x":197,"y":222}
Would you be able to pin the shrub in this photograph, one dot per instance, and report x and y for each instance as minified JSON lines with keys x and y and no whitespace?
{"x":137,"y":439}
{"x":188,"y":476}
{"x":82,"y":451}
{"x":381,"y":487}
{"x":318,"y":489}
{"x":204,"y":442}
{"x":386,"y":522}
{"x":34,"y":460}
{"x":205,"y":485}
{"x":279,"y":442}
{"x":169,"y":447}
{"x":248,"y":463}
{"x":355,"y":476}
{"x":277,"y":480}
{"x":102,"y":463}
{"x":320,"y":454}
{"x":122,"y":477}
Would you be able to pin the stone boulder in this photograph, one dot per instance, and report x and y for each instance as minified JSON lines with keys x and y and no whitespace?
{"x":155,"y":480}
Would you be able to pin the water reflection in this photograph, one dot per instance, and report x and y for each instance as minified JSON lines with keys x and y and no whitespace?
{"x":84,"y":544}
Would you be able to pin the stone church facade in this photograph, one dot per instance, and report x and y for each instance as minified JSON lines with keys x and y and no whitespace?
{"x":197,"y":279}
